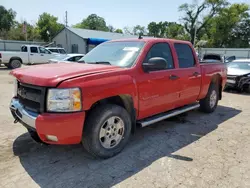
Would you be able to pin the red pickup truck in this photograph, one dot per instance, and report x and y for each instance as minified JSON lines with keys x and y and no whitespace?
{"x":119,"y":84}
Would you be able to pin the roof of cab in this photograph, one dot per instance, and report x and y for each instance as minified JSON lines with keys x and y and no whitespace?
{"x":151,"y":39}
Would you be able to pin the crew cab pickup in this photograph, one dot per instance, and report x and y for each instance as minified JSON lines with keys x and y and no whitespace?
{"x":29,"y":54}
{"x":117,"y":86}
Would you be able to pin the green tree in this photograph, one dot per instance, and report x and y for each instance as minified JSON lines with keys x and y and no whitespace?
{"x":197,"y":16}
{"x":16,"y":32}
{"x":128,"y":30}
{"x":138,"y":29}
{"x":7,"y":20}
{"x":48,"y":26}
{"x":93,"y":22}
{"x":167,"y":29}
{"x":118,"y":31}
{"x":176,"y":31}
{"x":153,"y":29}
{"x":111,"y":28}
{"x":230,"y":28}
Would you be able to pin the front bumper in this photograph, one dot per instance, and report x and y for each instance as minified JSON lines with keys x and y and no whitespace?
{"x":241,"y":82}
{"x":67,"y":128}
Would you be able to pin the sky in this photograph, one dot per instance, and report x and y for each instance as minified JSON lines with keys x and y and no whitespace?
{"x":117,"y":13}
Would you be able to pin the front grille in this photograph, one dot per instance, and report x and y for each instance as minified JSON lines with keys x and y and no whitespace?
{"x":231,"y":77}
{"x":31,"y":97}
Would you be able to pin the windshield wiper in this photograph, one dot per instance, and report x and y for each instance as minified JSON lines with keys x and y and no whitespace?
{"x":100,"y":62}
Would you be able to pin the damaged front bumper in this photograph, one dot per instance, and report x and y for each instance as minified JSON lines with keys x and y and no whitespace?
{"x":240,"y":83}
{"x":27,"y":118}
{"x":50,"y":128}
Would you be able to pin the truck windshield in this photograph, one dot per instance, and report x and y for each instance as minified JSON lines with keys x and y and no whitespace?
{"x":123,"y":53}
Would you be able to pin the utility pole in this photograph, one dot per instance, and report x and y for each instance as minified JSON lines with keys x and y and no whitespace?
{"x":66,"y":36}
{"x":66,"y":20}
{"x":195,"y":34}
{"x":25,"y":30}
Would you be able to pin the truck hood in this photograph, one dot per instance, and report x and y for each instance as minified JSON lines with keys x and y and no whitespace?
{"x":52,"y":74}
{"x":237,"y":72}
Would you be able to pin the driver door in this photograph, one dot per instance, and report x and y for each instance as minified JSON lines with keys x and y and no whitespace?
{"x":45,"y":55}
{"x":158,"y":90}
{"x":34,"y":55}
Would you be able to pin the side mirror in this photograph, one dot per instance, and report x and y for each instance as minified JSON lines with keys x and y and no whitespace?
{"x":155,"y":64}
{"x":230,"y":58}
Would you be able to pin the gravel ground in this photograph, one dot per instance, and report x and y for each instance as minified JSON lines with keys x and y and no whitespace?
{"x":197,"y":150}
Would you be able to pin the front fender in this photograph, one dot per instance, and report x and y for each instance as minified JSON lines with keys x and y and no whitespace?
{"x":98,"y":88}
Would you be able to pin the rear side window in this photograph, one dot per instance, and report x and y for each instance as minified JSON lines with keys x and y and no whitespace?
{"x":33,"y":50}
{"x":53,"y":50}
{"x":185,"y":55}
{"x":24,"y":49}
{"x":161,"y":50}
{"x":62,"y":51}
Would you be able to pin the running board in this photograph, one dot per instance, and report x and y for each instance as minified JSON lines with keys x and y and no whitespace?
{"x":166,"y":115}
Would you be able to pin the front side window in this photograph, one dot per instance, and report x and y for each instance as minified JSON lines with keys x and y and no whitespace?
{"x":122,"y":53}
{"x":44,"y":51}
{"x":185,"y":55}
{"x":53,"y":50}
{"x":77,"y":58}
{"x":161,"y":50}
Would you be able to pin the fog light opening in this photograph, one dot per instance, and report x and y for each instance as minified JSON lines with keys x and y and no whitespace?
{"x":51,"y":138}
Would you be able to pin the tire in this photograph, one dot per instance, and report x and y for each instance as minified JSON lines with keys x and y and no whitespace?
{"x":210,"y":102}
{"x":15,"y":63}
{"x":98,"y":132}
{"x":248,"y":89}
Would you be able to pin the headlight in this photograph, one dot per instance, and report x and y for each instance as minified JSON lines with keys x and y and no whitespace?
{"x":64,"y":100}
{"x":15,"y":88}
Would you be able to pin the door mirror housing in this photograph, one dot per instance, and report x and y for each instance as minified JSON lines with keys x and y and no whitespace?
{"x":155,"y":64}
{"x":230,"y":58}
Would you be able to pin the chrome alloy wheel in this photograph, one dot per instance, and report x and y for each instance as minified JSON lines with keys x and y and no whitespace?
{"x":111,"y":132}
{"x":213,"y":99}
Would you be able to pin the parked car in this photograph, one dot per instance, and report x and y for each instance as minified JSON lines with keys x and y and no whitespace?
{"x":211,"y":58}
{"x":57,"y":50}
{"x":67,"y":58}
{"x":238,"y":75}
{"x":123,"y":83}
{"x":29,"y":54}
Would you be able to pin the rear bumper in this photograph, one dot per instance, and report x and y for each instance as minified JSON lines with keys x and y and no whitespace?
{"x":52,"y":128}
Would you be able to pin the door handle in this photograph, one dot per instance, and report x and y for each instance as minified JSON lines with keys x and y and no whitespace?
{"x":42,"y":55}
{"x":196,"y":74}
{"x":31,"y":54}
{"x":173,"y":77}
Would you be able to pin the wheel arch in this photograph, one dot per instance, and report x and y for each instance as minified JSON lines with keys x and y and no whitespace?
{"x":16,"y":58}
{"x":217,"y":79}
{"x":123,"y":100}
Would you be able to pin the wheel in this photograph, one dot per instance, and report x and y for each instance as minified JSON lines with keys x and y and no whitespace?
{"x":15,"y":63}
{"x":248,"y":89}
{"x":106,"y":131}
{"x":210,"y":102}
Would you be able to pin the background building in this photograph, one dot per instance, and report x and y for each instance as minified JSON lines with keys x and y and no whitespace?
{"x":75,"y":40}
